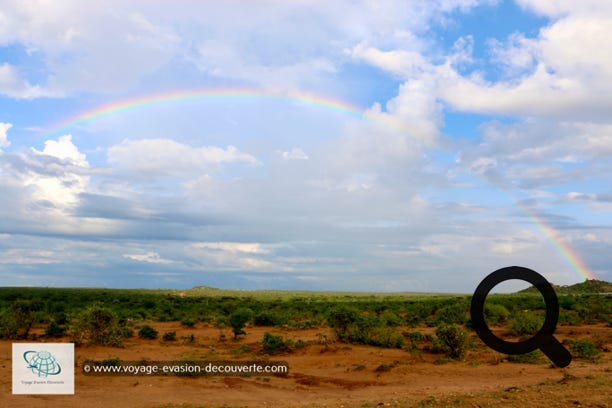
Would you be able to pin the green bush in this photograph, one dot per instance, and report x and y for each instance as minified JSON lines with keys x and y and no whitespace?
{"x":274,"y":344}
{"x":452,"y":314}
{"x":54,"y":329}
{"x":495,"y":314}
{"x":533,"y":357}
{"x":169,"y":336}
{"x":269,"y":319}
{"x":391,"y":319}
{"x":17,"y":321}
{"x":96,"y":325}
{"x":341,"y":319}
{"x":584,"y":349}
{"x":526,"y":324}
{"x":352,"y":326}
{"x":454,"y":338}
{"x":385,"y":337}
{"x":147,"y":332}
{"x":188,"y":322}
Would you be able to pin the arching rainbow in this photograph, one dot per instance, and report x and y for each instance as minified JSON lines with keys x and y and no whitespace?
{"x":563,"y":248}
{"x":315,"y":100}
{"x":560,"y":245}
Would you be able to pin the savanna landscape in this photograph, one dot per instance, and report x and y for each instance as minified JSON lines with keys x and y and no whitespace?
{"x":342,"y":349}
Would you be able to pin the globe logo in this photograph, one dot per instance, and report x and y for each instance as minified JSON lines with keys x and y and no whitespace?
{"x":42,"y":363}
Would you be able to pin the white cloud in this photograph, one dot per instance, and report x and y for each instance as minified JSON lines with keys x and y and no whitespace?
{"x":115,"y":45}
{"x":294,"y":154}
{"x":27,"y":257}
{"x":4,"y":127}
{"x":65,"y":150}
{"x":59,"y":183}
{"x":99,"y":47}
{"x":166,"y":156}
{"x":235,"y":247}
{"x":564,"y":72}
{"x":14,"y":86}
{"x":559,"y":8}
{"x":401,"y":63}
{"x":233,"y":256}
{"x":149,"y":257}
{"x":42,"y":188}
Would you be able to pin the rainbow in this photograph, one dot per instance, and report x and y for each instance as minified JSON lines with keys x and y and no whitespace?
{"x":559,"y":244}
{"x":167,"y":97}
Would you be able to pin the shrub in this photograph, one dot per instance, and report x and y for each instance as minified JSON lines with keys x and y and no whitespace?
{"x":301,"y":343}
{"x":96,"y":325}
{"x":267,"y":318}
{"x":341,"y":319}
{"x":391,"y":319}
{"x":526,"y":324}
{"x":585,"y":349}
{"x":17,"y":321}
{"x":533,"y":357}
{"x":415,"y":338}
{"x":352,"y":326}
{"x":188,"y":322}
{"x":54,"y":329}
{"x":238,"y":320}
{"x":274,"y":344}
{"x":454,"y":338}
{"x":452,"y":314}
{"x":147,"y":332}
{"x":495,"y":314}
{"x":385,"y":337}
{"x":127,"y":332}
{"x":169,"y":336}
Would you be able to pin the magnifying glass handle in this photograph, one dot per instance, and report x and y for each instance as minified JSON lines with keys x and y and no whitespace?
{"x":555,"y":351}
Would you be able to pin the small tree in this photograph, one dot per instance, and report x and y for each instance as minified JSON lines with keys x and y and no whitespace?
{"x":96,"y":325}
{"x":238,"y":320}
{"x":17,"y":321}
{"x":341,"y":319}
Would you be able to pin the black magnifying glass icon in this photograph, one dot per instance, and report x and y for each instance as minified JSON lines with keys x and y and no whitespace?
{"x":543,"y":339}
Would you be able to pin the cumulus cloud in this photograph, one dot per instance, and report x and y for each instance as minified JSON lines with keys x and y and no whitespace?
{"x":42,"y":188}
{"x":61,"y":188}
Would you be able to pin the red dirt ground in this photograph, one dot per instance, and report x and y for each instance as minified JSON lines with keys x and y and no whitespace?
{"x":334,"y":375}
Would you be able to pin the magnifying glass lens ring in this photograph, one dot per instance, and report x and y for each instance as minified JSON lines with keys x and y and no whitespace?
{"x":477,"y":310}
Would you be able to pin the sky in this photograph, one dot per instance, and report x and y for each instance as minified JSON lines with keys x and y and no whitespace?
{"x":410,"y":145}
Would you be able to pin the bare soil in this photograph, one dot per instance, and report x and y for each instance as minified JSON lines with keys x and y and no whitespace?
{"x":328,"y":375}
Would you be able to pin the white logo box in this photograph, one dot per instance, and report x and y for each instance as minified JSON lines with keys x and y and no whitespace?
{"x":43,"y":368}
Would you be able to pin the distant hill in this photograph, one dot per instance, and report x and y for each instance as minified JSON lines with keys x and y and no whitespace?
{"x":589,"y":286}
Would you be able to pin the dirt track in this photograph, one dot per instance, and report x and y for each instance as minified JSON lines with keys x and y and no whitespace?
{"x":328,"y":375}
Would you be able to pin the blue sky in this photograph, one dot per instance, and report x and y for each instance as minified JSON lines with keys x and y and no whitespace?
{"x":471,"y":116}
